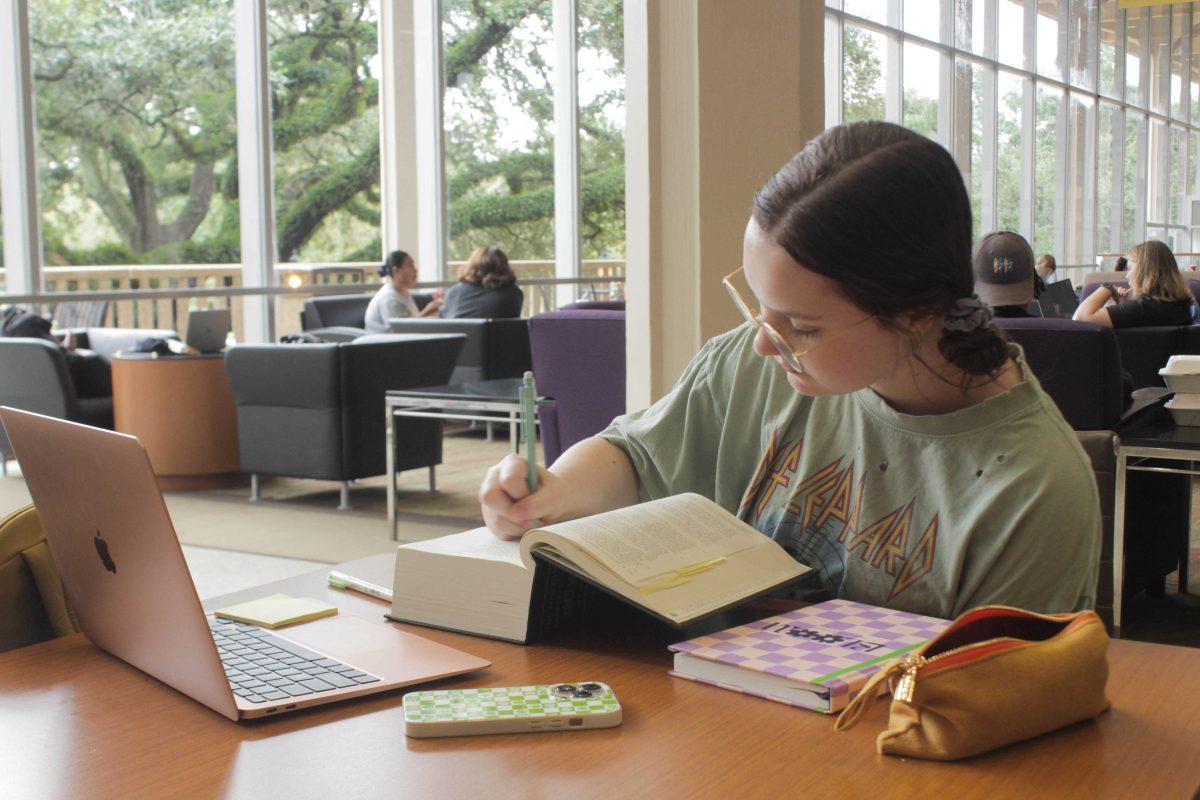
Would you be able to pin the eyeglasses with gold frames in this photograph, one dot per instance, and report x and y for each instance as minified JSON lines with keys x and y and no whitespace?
{"x":791,"y":357}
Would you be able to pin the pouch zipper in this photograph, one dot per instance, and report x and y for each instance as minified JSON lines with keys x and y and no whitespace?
{"x":913,"y":662}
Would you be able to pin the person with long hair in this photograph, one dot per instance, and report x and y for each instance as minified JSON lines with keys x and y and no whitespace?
{"x":486,"y":288}
{"x":399,"y":274}
{"x":868,"y":415}
{"x":1157,"y":293}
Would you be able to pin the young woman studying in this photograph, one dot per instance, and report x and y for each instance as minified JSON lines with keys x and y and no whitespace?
{"x":1157,"y":293}
{"x":868,"y":416}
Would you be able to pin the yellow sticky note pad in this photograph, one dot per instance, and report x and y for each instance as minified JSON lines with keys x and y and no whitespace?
{"x":277,"y":610}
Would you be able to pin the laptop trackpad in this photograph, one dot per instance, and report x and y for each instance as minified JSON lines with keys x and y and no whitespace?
{"x":392,"y":654}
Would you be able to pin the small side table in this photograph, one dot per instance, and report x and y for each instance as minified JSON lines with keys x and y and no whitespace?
{"x":483,"y":401}
{"x":181,"y":409}
{"x":1159,"y":438}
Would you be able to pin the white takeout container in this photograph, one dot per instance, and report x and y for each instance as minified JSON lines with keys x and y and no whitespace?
{"x":1185,"y":408}
{"x":1182,"y":373}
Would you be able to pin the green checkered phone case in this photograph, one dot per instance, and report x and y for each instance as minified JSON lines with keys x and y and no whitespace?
{"x":511,"y":709}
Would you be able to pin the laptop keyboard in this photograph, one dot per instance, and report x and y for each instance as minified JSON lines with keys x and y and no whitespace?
{"x":263,"y":668}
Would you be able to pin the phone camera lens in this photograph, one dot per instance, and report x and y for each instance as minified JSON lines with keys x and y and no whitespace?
{"x":591,"y":687}
{"x":581,"y":693}
{"x":564,"y":688}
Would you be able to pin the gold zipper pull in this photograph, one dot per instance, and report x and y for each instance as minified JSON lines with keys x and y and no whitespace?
{"x":908,"y":680}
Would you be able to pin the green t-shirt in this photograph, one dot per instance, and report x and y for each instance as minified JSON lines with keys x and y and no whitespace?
{"x":995,"y":503}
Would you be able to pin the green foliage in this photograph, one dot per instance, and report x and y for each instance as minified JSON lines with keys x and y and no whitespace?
{"x":137,"y":142}
{"x":862,"y":71}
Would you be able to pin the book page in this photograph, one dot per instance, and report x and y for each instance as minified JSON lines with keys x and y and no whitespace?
{"x":475,"y":543}
{"x":650,"y":540}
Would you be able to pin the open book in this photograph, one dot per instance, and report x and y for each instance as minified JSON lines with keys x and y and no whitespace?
{"x":679,"y":559}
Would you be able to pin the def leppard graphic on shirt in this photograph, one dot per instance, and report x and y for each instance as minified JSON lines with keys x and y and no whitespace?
{"x":819,"y":522}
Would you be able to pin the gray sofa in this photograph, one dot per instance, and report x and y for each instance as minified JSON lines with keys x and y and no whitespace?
{"x":341,"y":317}
{"x":317,"y":410}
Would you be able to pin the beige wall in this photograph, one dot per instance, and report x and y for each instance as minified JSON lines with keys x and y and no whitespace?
{"x":719,"y":95}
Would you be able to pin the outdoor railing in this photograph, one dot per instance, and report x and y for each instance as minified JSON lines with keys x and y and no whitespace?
{"x":159,"y":296}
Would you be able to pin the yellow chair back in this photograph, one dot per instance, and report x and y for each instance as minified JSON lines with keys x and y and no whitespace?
{"x":33,"y":607}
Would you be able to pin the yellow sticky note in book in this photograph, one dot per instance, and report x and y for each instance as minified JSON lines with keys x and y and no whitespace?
{"x":277,"y":610}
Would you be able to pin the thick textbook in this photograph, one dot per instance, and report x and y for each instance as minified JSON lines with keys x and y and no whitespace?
{"x":816,"y":657}
{"x":679,"y":559}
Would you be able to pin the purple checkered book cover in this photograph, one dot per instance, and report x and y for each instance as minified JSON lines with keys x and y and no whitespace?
{"x":837,"y":644}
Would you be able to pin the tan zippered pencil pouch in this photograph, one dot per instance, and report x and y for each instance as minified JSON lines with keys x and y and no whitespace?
{"x":997,"y":675}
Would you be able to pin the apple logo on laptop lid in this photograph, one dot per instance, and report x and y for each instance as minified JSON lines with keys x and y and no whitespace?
{"x":102,"y":549}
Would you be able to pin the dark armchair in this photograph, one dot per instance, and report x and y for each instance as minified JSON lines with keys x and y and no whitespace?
{"x":579,"y":362}
{"x":317,"y":410}
{"x":1079,"y":365}
{"x":34,"y":376}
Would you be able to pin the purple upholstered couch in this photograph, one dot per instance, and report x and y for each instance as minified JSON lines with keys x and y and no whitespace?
{"x":579,"y":361}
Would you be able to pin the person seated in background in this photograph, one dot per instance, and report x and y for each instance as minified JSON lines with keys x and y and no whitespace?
{"x":1044,"y":272}
{"x":1157,"y":293}
{"x":486,"y":288}
{"x":393,"y":299}
{"x":1004,"y":273}
{"x":91,"y":374}
{"x":1122,"y":264}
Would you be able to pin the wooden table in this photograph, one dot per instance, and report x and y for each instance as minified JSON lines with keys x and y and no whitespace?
{"x":75,"y":722}
{"x":181,"y":409}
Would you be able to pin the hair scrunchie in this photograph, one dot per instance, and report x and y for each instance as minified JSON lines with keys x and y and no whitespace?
{"x":968,"y":314}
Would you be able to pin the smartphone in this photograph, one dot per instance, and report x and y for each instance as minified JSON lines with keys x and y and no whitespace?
{"x":511,"y":709}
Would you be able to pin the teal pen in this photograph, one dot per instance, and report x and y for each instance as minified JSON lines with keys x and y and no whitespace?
{"x":528,"y":396}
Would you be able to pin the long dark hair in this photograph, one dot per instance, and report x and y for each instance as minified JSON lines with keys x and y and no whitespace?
{"x":883,"y":213}
{"x":394,"y":260}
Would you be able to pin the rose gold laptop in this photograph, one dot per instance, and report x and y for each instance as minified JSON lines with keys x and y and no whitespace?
{"x":126,"y":579}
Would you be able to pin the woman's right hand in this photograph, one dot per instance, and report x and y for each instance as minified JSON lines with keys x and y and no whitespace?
{"x":509,"y":510}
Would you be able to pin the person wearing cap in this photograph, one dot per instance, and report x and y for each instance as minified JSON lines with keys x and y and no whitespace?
{"x":1157,"y":293}
{"x":393,"y":299}
{"x":1004,"y":273}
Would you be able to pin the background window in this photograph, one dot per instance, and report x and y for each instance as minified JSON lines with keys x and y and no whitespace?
{"x":864,"y":77}
{"x":1010,"y":47}
{"x":1108,"y":130}
{"x":325,"y":123}
{"x":1112,"y":33}
{"x":1010,"y":90}
{"x":1078,"y":126}
{"x":602,"y":128}
{"x":969,"y":25}
{"x":1047,"y":168}
{"x":1050,"y":56}
{"x":499,"y":127}
{"x":136,"y":141}
{"x":921,"y":65}
{"x":924,"y":18}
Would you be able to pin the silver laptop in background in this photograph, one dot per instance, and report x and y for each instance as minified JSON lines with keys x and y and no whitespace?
{"x":207,"y":329}
{"x":125,"y":577}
